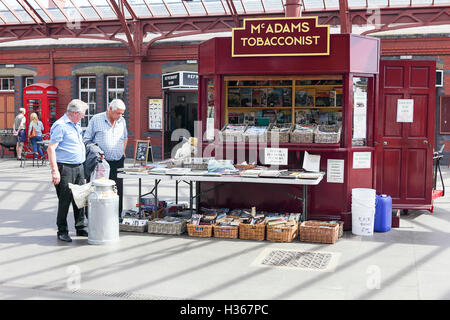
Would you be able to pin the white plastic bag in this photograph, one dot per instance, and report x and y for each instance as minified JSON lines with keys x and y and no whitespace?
{"x":101,"y":171}
{"x":81,"y":193}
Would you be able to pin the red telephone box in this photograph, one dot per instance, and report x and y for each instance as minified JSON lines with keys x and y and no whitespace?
{"x":42,"y":99}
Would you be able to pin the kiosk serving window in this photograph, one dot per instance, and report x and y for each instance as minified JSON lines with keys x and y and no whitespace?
{"x":284,"y":100}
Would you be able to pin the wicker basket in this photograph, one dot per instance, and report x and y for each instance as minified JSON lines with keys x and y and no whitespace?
{"x":167,"y":228}
{"x":275,"y":135}
{"x":316,"y":231}
{"x":340,"y":223}
{"x":245,"y":166}
{"x":128,"y":228}
{"x":302,"y":134}
{"x":201,"y":231}
{"x":327,"y":134}
{"x":228,"y":232}
{"x":231,"y":136}
{"x":252,"y":231}
{"x":282,"y":233}
{"x":253,"y":137}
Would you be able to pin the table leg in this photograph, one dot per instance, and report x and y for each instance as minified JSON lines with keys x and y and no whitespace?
{"x":156,"y":198}
{"x":176,"y":191}
{"x":190,"y":197}
{"x":139,"y":198}
{"x":305,"y":203}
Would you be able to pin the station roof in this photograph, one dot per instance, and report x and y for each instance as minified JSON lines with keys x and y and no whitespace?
{"x":48,"y":11}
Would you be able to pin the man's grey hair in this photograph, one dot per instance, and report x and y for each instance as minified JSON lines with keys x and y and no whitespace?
{"x":22,"y":110}
{"x":117,"y":104}
{"x":76,"y":106}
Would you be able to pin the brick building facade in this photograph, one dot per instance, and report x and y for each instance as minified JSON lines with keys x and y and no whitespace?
{"x":63,"y":65}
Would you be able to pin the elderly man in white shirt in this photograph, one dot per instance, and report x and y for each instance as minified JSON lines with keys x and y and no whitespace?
{"x":109,"y":131}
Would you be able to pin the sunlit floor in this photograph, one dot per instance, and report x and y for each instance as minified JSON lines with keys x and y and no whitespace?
{"x":410,"y":262}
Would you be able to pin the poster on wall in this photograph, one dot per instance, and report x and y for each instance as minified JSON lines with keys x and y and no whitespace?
{"x":335,"y":171}
{"x":361,"y":160}
{"x":155,"y":114}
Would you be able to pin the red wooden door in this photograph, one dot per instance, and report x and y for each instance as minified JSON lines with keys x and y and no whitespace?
{"x":405,"y":149}
{"x":7,"y":113}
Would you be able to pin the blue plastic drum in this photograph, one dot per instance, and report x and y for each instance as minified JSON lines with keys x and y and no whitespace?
{"x":383,"y":213}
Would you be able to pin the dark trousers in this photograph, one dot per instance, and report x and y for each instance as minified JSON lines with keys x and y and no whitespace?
{"x":113,"y":166}
{"x":70,"y":173}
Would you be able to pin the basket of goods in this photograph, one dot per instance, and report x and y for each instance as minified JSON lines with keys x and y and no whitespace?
{"x":255,"y":134}
{"x":279,"y":133}
{"x":133,"y":222}
{"x":253,"y":228}
{"x":303,"y":133}
{"x":328,"y":134}
{"x":167,"y":225}
{"x":282,"y":228}
{"x":232,"y":133}
{"x":226,"y":227}
{"x":201,"y":225}
{"x":317,"y":231}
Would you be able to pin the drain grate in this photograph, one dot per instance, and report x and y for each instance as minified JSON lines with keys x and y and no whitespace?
{"x":120,"y":295}
{"x":294,"y":259}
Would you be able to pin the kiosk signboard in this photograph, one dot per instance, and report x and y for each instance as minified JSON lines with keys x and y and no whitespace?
{"x":299,"y":36}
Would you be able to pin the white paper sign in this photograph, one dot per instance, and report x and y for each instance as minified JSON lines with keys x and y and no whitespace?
{"x":361,"y":160}
{"x":276,"y":156}
{"x":335,"y":171}
{"x":405,"y":110}
{"x":359,"y":114}
{"x":209,"y":129}
{"x":311,"y":162}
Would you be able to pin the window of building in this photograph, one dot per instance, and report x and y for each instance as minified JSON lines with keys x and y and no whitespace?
{"x":29,"y":81}
{"x":115,"y":88}
{"x":7,"y":84}
{"x":87,"y":92}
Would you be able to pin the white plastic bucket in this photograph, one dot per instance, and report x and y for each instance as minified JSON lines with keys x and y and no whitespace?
{"x":364,"y":196}
{"x":363,"y":211}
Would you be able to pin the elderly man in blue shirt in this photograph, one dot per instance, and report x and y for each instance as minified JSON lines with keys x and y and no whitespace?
{"x":109,"y":131}
{"x":67,"y":153}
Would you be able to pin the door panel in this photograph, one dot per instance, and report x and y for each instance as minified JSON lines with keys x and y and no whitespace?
{"x":415,"y":171}
{"x":394,"y":77}
{"x":419,"y":77}
{"x":394,"y":129}
{"x":418,"y":128}
{"x":405,"y":150}
{"x":392,"y":158}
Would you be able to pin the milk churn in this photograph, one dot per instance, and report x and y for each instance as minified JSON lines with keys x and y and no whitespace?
{"x":103,"y":204}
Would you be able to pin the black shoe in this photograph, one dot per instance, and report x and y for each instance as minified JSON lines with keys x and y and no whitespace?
{"x":64,"y":237}
{"x":82,"y":233}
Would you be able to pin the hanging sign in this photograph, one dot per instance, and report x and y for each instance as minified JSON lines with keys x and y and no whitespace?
{"x":291,"y":36}
{"x":180,"y":79}
{"x":405,"y":110}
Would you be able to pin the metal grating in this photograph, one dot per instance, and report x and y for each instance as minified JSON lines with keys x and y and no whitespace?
{"x":294,"y":259}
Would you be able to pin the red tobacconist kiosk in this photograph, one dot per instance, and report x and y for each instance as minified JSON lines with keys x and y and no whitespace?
{"x":292,"y":72}
{"x":42,"y":99}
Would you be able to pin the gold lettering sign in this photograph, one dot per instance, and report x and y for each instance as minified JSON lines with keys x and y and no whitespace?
{"x":281,"y":37}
